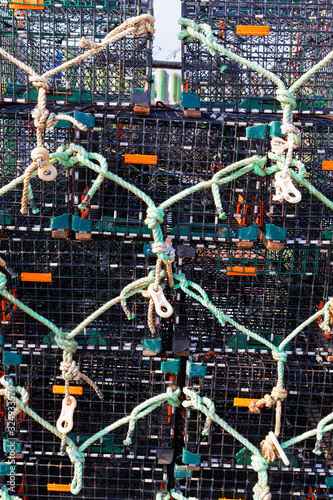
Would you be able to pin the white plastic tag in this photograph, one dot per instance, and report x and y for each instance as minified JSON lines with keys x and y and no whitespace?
{"x":162,"y":306}
{"x":65,"y":421}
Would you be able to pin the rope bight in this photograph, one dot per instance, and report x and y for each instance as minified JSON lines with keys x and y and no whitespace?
{"x":43,"y":165}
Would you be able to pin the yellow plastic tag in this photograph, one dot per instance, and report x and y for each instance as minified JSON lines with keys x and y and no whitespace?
{"x":73,"y":389}
{"x":252,"y":30}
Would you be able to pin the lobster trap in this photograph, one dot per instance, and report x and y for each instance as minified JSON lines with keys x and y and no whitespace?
{"x":47,"y":38}
{"x":220,"y":467}
{"x":287,"y":38}
{"x":263,"y":290}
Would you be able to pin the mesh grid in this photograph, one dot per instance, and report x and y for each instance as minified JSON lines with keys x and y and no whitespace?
{"x":299,"y":37}
{"x":33,"y":35}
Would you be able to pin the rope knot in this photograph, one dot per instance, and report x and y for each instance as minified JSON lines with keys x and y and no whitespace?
{"x":75,"y":456}
{"x":173,"y":396}
{"x":262,"y":493}
{"x":165,"y":248}
{"x":3,"y":281}
{"x":71,"y":370}
{"x":279,"y":356}
{"x":285,"y":97}
{"x":40,"y":82}
{"x":268,"y":449}
{"x":258,"y":165}
{"x":259,"y":463}
{"x":144,"y":25}
{"x":294,"y":134}
{"x":154,"y":216}
{"x":65,"y":344}
{"x":279,"y":393}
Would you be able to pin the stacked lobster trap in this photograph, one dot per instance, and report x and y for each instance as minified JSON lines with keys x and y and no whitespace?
{"x":177,"y":395}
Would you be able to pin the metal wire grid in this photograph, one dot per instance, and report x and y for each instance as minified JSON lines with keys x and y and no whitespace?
{"x":224,"y":469}
{"x":299,"y":37}
{"x":187,"y":152}
{"x":125,"y":381}
{"x":46,"y":38}
{"x":269,"y":292}
{"x":103,"y":478}
{"x":84,"y":276}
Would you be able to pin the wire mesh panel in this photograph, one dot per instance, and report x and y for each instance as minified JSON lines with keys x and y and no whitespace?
{"x":268,"y":292}
{"x":287,"y":38}
{"x":137,"y":470}
{"x":68,"y":281}
{"x":126,"y":380}
{"x":231,"y":381}
{"x":46,"y":38}
{"x":182,"y":153}
{"x":50,"y":199}
{"x":162,"y":155}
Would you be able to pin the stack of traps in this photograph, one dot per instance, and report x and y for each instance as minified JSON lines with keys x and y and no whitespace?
{"x":269,"y":284}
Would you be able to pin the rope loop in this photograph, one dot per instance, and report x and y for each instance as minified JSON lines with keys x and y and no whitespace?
{"x":154,"y":216}
{"x":279,"y":356}
{"x":165,"y":248}
{"x":285,"y":97}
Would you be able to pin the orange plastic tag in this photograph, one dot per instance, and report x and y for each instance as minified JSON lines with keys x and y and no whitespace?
{"x":244,"y":402}
{"x":327,"y":165}
{"x":28,"y":4}
{"x":241,"y":271}
{"x":40,"y":277}
{"x":143,"y":159}
{"x":73,"y":389}
{"x":228,"y":498}
{"x":58,"y":487}
{"x":252,"y":30}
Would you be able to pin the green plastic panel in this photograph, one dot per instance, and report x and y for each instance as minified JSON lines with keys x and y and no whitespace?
{"x":170,"y":366}
{"x":195,"y":369}
{"x":190,"y":458}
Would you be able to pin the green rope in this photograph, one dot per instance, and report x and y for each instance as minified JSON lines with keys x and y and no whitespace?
{"x":4,"y":495}
{"x":76,"y":455}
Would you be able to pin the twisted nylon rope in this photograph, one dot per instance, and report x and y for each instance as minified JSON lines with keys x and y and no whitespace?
{"x":204,"y":33}
{"x":43,"y":119}
{"x":4,"y":495}
{"x":75,"y":454}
